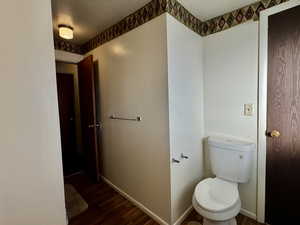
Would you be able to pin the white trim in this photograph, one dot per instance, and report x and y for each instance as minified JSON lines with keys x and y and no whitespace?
{"x":183,"y":216}
{"x":248,"y":214}
{"x":262,"y":124}
{"x":67,"y":56}
{"x":136,"y":203}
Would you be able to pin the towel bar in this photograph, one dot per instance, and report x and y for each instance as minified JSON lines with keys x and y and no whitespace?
{"x":138,"y":118}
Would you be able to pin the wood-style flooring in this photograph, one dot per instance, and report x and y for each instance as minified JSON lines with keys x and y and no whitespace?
{"x":241,"y":220}
{"x":107,"y":207}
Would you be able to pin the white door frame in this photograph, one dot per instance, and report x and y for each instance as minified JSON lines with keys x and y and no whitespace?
{"x":262,"y":126}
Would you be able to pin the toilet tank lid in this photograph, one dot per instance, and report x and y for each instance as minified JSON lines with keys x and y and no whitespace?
{"x":231,"y":143}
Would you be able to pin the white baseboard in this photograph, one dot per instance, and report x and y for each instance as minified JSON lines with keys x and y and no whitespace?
{"x":184,"y":216}
{"x":156,"y":217}
{"x":248,"y":214}
{"x":136,"y":203}
{"x":145,"y":209}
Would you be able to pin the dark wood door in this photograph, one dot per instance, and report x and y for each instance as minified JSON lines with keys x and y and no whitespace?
{"x":88,"y":116}
{"x":283,"y":148}
{"x":65,"y":88}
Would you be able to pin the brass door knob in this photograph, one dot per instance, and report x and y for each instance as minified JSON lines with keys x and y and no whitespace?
{"x":273,"y":134}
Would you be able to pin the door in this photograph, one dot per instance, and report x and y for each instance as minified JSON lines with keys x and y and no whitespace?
{"x":283,"y":119}
{"x":65,"y":88}
{"x":88,"y":116}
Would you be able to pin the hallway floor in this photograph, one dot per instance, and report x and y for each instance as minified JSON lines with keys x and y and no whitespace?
{"x":107,"y":207}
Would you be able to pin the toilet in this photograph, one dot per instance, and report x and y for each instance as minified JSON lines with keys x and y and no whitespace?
{"x":217,"y":199}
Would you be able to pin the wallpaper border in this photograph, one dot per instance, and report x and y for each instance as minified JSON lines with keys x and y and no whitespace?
{"x":148,"y":12}
{"x":64,"y":45}
{"x":156,"y":8}
{"x":236,"y":17}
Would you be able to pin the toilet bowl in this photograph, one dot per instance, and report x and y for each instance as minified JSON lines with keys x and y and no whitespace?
{"x":217,"y":199}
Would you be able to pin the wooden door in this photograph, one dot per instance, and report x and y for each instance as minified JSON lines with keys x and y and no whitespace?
{"x":283,"y":142}
{"x":65,"y":88}
{"x":88,"y":116}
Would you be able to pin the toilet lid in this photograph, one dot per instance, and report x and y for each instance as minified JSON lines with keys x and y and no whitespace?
{"x":216,"y":194}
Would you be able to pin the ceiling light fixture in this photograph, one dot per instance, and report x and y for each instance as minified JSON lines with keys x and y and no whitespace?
{"x":65,"y":31}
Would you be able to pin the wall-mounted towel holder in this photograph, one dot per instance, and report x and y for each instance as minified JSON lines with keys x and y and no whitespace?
{"x":137,"y":119}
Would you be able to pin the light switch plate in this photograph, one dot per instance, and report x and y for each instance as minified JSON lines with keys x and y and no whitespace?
{"x":248,"y":109}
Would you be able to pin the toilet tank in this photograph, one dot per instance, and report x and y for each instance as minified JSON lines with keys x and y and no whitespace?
{"x":231,"y":159}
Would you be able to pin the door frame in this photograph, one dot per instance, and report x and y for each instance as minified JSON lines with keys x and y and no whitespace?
{"x":262,"y":121}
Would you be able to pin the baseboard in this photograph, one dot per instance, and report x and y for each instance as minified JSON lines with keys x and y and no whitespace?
{"x":248,"y":214}
{"x":156,"y":217}
{"x":136,"y":203}
{"x":184,"y":216}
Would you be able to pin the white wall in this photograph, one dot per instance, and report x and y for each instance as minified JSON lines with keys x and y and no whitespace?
{"x":185,"y":72}
{"x":31,"y":191}
{"x":133,"y":81}
{"x":156,"y":71}
{"x":231,"y":80}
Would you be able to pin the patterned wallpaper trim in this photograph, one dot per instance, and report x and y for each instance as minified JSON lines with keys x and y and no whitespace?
{"x":156,"y":8}
{"x":236,"y":17}
{"x":180,"y":13}
{"x":61,"y":44}
{"x":150,"y":11}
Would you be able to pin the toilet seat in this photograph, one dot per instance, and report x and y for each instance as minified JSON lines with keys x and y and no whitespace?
{"x":216,"y":195}
{"x":216,"y":199}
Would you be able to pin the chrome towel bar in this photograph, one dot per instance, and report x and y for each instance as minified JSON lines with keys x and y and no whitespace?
{"x":138,"y":118}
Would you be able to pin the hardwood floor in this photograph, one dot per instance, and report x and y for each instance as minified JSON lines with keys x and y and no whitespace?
{"x":107,"y":207}
{"x":241,"y":220}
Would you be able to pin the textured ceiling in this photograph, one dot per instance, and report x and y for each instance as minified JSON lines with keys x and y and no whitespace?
{"x":89,"y":17}
{"x":207,"y":9}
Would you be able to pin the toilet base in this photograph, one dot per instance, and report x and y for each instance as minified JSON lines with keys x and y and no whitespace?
{"x":227,"y":222}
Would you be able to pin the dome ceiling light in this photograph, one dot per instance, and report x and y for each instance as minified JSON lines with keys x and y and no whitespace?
{"x":66,"y":32}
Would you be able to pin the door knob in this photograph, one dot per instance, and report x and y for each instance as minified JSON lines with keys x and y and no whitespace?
{"x":273,"y":134}
{"x":97,"y":125}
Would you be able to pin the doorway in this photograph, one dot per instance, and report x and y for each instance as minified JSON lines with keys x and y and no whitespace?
{"x":70,"y":118}
{"x":80,"y":130}
{"x":78,"y":118}
{"x":71,"y":149}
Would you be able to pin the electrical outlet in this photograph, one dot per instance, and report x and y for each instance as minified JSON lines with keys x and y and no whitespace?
{"x":248,"y":109}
